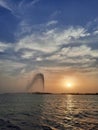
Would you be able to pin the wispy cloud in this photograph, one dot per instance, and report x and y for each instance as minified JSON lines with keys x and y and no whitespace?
{"x":5,"y":5}
{"x":55,"y":14}
{"x":34,"y":2}
{"x":53,"y":22}
{"x":27,"y":54}
{"x":70,"y":47}
{"x":50,"y":40}
{"x":74,"y":55}
{"x":95,"y":32}
{"x":10,"y":67}
{"x":4,"y":46}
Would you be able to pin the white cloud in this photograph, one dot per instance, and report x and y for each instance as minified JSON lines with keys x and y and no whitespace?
{"x":75,"y":55}
{"x":55,"y":47}
{"x":9,"y":6}
{"x":4,"y":46}
{"x":27,"y":54}
{"x":95,"y":32}
{"x":54,"y":57}
{"x":34,"y":2}
{"x":24,"y":28}
{"x":4,"y":4}
{"x":73,"y":33}
{"x":36,"y":42}
{"x":30,"y":3}
{"x":77,"y":51}
{"x":53,"y":22}
{"x":50,"y":40}
{"x":39,"y":59}
{"x":94,"y":53}
{"x":65,"y":36}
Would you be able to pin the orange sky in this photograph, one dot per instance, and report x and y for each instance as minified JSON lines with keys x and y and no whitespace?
{"x":80,"y":83}
{"x":54,"y":82}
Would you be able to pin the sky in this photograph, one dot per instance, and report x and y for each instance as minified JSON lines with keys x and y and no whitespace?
{"x":58,"y":38}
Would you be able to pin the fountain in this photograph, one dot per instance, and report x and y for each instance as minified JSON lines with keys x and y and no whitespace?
{"x":39,"y":77}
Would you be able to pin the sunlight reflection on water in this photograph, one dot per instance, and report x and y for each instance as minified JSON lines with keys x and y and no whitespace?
{"x":70,"y":104}
{"x":53,"y":112}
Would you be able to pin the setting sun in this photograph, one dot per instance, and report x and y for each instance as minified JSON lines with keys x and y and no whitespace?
{"x":68,"y":82}
{"x":69,"y":85}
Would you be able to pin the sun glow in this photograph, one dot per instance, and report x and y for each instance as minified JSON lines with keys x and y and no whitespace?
{"x":69,"y":85}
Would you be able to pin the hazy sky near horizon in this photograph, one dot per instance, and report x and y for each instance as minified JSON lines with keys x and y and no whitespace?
{"x":58,"y":38}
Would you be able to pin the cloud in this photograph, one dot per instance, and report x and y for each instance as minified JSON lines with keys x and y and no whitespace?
{"x":20,"y":8}
{"x":4,"y":46}
{"x":50,"y":40}
{"x":82,"y":50}
{"x":27,"y":4}
{"x":39,"y":59}
{"x":42,"y":45}
{"x":55,"y":14}
{"x":53,"y":22}
{"x":5,"y":5}
{"x":10,"y":67}
{"x":9,"y":6}
{"x":36,"y":42}
{"x":95,"y":32}
{"x":34,"y":2}
{"x":27,"y":54}
{"x":70,"y":47}
{"x":80,"y":57}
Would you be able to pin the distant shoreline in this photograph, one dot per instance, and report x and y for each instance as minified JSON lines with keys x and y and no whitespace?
{"x":66,"y":93}
{"x":47,"y":93}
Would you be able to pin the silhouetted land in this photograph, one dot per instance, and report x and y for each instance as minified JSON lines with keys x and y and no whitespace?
{"x":65,"y":93}
{"x":43,"y":93}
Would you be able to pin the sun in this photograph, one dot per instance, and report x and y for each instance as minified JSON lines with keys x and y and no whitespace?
{"x":69,"y":85}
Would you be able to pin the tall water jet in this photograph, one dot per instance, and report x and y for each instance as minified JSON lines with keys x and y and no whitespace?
{"x":34,"y":81}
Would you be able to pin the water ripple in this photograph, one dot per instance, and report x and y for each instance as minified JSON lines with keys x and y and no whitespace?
{"x":48,"y":112}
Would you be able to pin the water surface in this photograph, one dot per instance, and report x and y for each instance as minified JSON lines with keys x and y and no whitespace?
{"x":48,"y":112}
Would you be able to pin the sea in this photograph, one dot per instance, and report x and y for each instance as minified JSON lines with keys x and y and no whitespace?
{"x":26,"y":111}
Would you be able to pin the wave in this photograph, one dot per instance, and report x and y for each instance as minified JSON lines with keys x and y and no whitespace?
{"x":6,"y":124}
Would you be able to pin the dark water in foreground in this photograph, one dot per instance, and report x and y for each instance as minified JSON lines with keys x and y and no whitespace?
{"x":48,"y":112}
